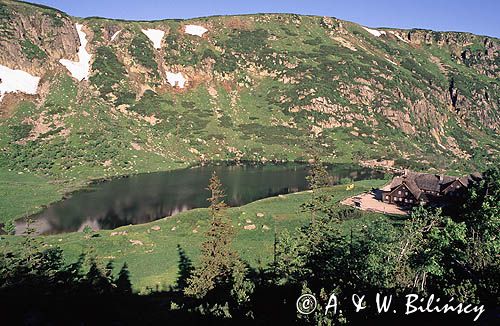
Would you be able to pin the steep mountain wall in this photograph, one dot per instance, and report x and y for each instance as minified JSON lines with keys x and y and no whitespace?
{"x":243,"y":87}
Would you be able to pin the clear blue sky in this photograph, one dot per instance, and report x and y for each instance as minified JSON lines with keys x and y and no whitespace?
{"x":476,"y":16}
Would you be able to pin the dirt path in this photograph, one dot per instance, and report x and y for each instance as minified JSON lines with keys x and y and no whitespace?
{"x":367,"y":202}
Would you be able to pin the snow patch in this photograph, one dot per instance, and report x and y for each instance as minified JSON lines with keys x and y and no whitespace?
{"x":195,"y":30}
{"x":115,"y":35}
{"x":155,"y":35}
{"x":176,"y":79}
{"x":374,"y":32}
{"x":80,"y":70}
{"x":13,"y":81}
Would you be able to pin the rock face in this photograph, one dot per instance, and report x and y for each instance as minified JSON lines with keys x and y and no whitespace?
{"x":34,"y":39}
{"x":239,"y":88}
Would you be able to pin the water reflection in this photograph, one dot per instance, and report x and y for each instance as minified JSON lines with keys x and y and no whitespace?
{"x":147,"y":197}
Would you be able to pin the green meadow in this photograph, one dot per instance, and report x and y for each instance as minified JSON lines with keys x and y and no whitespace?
{"x":152,"y":250}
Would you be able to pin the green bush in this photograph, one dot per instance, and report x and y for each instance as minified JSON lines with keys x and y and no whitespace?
{"x":108,"y":70}
{"x":345,"y":181}
{"x":151,"y":103}
{"x":56,"y":18}
{"x":142,"y":51}
{"x":21,"y":131}
{"x":32,"y":51}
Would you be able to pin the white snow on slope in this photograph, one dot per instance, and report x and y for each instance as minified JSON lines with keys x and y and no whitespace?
{"x":115,"y":35}
{"x":195,"y":30}
{"x":176,"y":79}
{"x":374,"y":32}
{"x":155,"y":35}
{"x":80,"y":70}
{"x":13,"y":81}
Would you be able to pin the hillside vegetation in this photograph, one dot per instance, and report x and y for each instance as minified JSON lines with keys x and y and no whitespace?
{"x":152,"y":250}
{"x":257,"y":86}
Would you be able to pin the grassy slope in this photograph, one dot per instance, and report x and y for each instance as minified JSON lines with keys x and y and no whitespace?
{"x":24,"y":194}
{"x":156,"y":261}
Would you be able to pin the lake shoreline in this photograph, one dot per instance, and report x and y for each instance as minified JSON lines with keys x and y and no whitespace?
{"x":113,"y":214}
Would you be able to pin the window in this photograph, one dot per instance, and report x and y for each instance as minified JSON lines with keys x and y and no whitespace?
{"x":406,"y":193}
{"x":399,"y":192}
{"x":386,"y":197}
{"x":411,"y":201}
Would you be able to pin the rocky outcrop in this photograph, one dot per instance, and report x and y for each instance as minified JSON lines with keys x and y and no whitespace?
{"x":36,"y":39}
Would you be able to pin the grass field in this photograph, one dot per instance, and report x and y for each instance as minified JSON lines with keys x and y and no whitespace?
{"x":23,"y":194}
{"x":153,"y":260}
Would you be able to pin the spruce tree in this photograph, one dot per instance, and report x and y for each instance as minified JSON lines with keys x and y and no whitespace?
{"x":312,"y":250}
{"x":220,"y":266}
{"x":318,"y":179}
{"x":9,"y":227}
{"x":320,"y":205}
{"x":185,"y":269}
{"x":122,"y":283}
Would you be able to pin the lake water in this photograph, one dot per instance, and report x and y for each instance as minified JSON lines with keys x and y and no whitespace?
{"x":148,"y":197}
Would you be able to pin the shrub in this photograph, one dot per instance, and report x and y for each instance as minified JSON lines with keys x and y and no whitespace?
{"x":109,"y":70}
{"x":143,"y":53}
{"x":21,"y":131}
{"x":32,"y":51}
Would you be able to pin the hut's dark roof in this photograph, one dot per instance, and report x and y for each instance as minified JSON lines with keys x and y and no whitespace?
{"x":429,"y":182}
{"x":419,"y":183}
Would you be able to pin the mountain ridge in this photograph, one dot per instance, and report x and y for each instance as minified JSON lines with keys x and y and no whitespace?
{"x":248,"y":14}
{"x":256,"y":87}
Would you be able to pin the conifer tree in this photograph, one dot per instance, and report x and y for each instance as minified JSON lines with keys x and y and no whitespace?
{"x":96,"y":278}
{"x":318,"y":179}
{"x":320,"y":205}
{"x":185,"y":269}
{"x":108,"y":272}
{"x":30,"y":254}
{"x":123,"y":285}
{"x":9,"y":227}
{"x":220,"y":266}
{"x":315,"y":246}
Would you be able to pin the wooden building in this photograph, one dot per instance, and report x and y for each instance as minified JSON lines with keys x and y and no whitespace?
{"x":412,"y":188}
